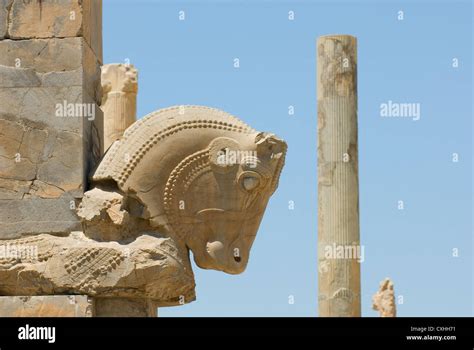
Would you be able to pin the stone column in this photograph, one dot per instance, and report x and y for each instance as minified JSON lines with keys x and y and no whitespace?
{"x":50,"y":120}
{"x":119,"y":100}
{"x":339,"y":250}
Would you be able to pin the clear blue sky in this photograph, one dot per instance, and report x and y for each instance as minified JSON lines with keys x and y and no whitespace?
{"x":191,"y":62}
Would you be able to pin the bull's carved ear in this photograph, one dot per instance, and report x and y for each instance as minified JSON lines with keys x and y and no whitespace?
{"x":223,"y":154}
{"x":269,"y":145}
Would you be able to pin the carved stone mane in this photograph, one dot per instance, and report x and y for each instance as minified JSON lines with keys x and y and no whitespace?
{"x":159,"y":127}
{"x":175,"y":129}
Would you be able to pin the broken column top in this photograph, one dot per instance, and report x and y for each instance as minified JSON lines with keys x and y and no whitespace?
{"x":384,"y":300}
{"x":119,"y":99}
{"x":119,"y":77}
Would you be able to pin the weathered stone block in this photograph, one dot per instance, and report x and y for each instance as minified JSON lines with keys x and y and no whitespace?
{"x":92,"y":25}
{"x":45,"y":107}
{"x":124,"y":307}
{"x":51,"y":123}
{"x":46,"y":306}
{"x":44,"y":55}
{"x":19,"y":217}
{"x":43,"y":165}
{"x":50,"y":62}
{"x":14,"y":189}
{"x":4,"y":11}
{"x":53,"y":151}
{"x":53,"y":19}
{"x":18,"y":77}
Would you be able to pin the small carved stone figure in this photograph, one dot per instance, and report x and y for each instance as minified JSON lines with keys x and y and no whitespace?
{"x":384,"y":300}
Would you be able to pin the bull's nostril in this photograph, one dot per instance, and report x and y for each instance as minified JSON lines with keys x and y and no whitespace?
{"x":237,"y":259}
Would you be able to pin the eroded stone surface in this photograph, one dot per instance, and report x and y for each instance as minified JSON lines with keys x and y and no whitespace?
{"x":46,"y":306}
{"x":148,"y":267}
{"x":43,"y":156}
{"x":5,"y":6}
{"x":124,"y":307}
{"x":44,"y":19}
{"x":46,"y":150}
{"x":29,"y":216}
{"x":57,"y":62}
{"x":20,"y":19}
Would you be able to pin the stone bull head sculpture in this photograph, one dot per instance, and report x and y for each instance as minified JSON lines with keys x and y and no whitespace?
{"x":182,"y":178}
{"x":200,"y":175}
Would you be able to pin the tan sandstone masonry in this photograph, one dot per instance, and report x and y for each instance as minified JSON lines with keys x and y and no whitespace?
{"x":119,"y":100}
{"x":338,"y":184}
{"x":50,"y":122}
{"x":74,"y":306}
{"x":47,"y":306}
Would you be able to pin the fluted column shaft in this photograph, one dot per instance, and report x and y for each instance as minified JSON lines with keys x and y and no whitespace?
{"x":339,"y":250}
{"x":119,"y":100}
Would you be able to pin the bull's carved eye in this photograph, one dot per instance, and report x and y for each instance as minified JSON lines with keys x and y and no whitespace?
{"x":250,"y":181}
